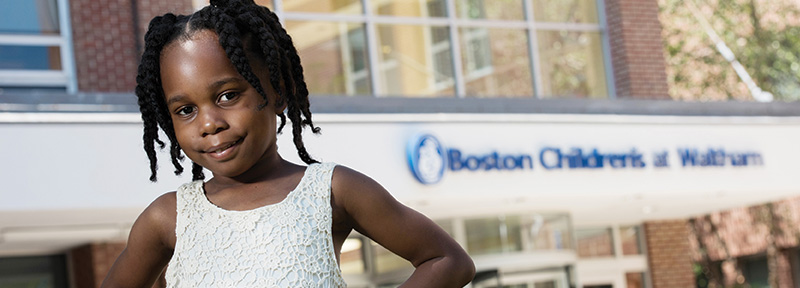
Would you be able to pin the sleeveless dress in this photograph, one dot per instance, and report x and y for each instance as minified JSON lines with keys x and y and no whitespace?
{"x":286,"y":244}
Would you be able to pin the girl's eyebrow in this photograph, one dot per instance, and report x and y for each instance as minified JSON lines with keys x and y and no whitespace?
{"x":173,"y":99}
{"x":213,"y":86}
{"x":223,"y":81}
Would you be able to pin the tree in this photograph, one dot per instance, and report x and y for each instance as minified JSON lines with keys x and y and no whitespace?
{"x":764,"y":35}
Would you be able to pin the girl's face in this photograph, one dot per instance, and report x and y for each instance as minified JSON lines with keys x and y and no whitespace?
{"x":214,"y":110}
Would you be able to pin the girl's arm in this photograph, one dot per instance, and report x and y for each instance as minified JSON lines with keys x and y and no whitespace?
{"x":373,"y":212}
{"x":150,"y":246}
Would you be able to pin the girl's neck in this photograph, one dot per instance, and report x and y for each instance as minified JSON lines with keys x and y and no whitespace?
{"x":266,"y":169}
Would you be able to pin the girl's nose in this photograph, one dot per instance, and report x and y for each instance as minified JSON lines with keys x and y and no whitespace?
{"x":212,"y":123}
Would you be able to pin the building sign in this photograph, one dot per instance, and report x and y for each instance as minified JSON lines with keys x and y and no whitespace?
{"x":428,"y":159}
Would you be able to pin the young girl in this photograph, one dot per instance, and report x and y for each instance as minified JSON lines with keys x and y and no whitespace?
{"x":216,"y":82}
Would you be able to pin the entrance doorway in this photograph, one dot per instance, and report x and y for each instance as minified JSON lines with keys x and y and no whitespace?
{"x":542,"y":278}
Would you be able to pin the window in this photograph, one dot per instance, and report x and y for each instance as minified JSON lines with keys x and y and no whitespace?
{"x":333,"y":55}
{"x":631,"y":239}
{"x":449,"y":48}
{"x":386,"y":261}
{"x":352,"y":256}
{"x":517,"y":233}
{"x":35,"y":50}
{"x":634,"y":280}
{"x":594,"y":242}
{"x":39,"y":271}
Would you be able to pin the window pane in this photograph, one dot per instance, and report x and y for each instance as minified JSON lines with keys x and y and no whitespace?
{"x":409,"y":8}
{"x":446,"y":225}
{"x":29,"y":17}
{"x":414,"y":68}
{"x":594,"y":242}
{"x":37,"y":271}
{"x":386,"y":261}
{"x":491,"y":9}
{"x":629,"y":236}
{"x":550,"y":232}
{"x":572,"y":64}
{"x":30,"y":57}
{"x":352,"y":256}
{"x":334,"y":56}
{"x":545,"y":284}
{"x":495,"y":62}
{"x":571,"y":11}
{"x":267,"y":3}
{"x":483,"y":236}
{"x":516,"y":233}
{"x":634,"y":280}
{"x":324,"y":6}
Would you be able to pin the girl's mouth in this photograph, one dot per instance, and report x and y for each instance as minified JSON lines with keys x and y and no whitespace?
{"x":221,"y":151}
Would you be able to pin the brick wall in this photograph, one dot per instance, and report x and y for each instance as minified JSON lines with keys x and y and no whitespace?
{"x":668,"y":254}
{"x":147,"y":9}
{"x":105,"y":34}
{"x":90,"y":263}
{"x":634,"y":33}
{"x":743,"y":232}
{"x":597,"y":245}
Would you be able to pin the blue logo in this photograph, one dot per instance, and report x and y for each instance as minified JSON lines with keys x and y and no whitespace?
{"x":426,"y":158}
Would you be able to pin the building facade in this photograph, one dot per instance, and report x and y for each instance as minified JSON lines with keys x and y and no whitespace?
{"x":539,"y":133}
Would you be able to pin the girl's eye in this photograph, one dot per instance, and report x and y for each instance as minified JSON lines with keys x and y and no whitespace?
{"x":186,"y":110}
{"x":228,"y":96}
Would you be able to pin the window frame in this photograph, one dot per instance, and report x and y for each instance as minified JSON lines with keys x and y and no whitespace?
{"x":453,"y":22}
{"x":48,"y":78}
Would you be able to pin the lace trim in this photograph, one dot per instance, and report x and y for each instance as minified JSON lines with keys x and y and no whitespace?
{"x":286,"y":244}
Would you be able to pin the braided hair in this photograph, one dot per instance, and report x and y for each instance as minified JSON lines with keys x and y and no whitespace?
{"x":244,"y":28}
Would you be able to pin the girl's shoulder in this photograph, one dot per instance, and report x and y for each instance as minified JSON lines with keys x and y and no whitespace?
{"x":159,"y":218}
{"x":346,"y":180}
{"x":353,"y":191}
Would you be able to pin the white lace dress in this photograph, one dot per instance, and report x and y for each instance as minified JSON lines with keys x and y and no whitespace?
{"x":287,"y":244}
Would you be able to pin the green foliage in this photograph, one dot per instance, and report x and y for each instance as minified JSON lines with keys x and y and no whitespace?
{"x":763,"y":34}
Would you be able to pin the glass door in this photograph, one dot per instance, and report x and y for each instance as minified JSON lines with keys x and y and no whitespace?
{"x":551,"y":278}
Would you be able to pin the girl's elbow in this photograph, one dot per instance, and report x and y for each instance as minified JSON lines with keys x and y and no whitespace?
{"x":466,"y":268}
{"x":462,"y":269}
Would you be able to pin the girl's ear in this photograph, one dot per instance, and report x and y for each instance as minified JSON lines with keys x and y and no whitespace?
{"x":280,"y":104}
{"x":280,"y":100}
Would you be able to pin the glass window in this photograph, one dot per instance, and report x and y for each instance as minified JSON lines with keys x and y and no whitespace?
{"x":40,"y":271}
{"x":572,"y":64}
{"x":29,"y":17}
{"x":334,"y":56}
{"x":550,"y":232}
{"x":495,"y":62}
{"x":503,"y":234}
{"x":494,"y":235}
{"x":755,"y":270}
{"x":595,"y":242}
{"x":545,"y":284}
{"x":411,"y":54}
{"x":409,"y":8}
{"x":33,"y":46}
{"x":490,"y":9}
{"x":446,"y":225}
{"x":352,"y":257}
{"x":386,"y":261}
{"x":414,"y":68}
{"x":634,"y":280}
{"x":267,"y":3}
{"x":24,"y":57}
{"x":631,"y":240}
{"x":484,"y":236}
{"x":568,"y":11}
{"x":324,"y":6}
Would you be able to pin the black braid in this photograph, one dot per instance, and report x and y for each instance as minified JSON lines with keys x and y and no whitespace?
{"x":197,"y":172}
{"x":243,"y":28}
